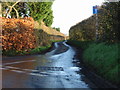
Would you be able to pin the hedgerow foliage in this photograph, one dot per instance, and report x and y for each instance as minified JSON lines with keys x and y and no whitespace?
{"x":83,"y":31}
{"x":108,"y":25}
{"x":18,"y":34}
{"x":108,"y":22}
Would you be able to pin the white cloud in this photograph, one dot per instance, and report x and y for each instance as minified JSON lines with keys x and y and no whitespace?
{"x":69,"y":12}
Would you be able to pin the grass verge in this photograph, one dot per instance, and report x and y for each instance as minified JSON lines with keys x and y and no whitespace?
{"x":102,"y":57}
{"x":36,"y":50}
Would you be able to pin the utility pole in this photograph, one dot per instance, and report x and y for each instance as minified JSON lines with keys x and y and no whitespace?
{"x":96,"y":27}
{"x":95,"y":11}
{"x":0,"y":9}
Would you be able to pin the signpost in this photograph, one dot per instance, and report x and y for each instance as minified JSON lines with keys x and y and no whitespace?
{"x":95,"y":11}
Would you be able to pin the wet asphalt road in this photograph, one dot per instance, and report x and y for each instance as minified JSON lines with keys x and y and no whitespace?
{"x":52,"y":70}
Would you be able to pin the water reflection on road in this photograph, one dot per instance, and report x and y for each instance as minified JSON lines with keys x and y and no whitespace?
{"x":43,"y":71}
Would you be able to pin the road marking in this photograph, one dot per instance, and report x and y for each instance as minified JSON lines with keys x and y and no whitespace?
{"x":18,"y":71}
{"x":37,"y":74}
{"x":33,"y":71}
{"x":28,"y":73}
{"x":12,"y":67}
{"x":51,"y":68}
{"x":3,"y":68}
{"x":18,"y":62}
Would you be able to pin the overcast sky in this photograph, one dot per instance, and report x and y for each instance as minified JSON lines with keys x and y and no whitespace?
{"x":69,"y":12}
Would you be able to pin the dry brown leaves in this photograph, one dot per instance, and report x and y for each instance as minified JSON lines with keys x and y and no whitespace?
{"x":18,"y":34}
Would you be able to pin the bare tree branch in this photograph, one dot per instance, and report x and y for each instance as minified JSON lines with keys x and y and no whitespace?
{"x":16,"y":12}
{"x":11,"y":7}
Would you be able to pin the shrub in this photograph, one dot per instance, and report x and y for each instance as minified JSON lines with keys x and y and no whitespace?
{"x":18,"y":34}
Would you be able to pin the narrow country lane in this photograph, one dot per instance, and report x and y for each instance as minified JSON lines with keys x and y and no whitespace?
{"x":55,"y":69}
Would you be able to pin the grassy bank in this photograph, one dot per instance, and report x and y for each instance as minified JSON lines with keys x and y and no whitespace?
{"x":102,"y":57}
{"x":36,"y":50}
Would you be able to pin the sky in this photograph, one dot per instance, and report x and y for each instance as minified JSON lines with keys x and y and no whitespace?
{"x":69,"y":12}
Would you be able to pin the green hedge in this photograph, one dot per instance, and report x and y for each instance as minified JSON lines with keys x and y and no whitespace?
{"x":82,"y":44}
{"x":108,"y":25}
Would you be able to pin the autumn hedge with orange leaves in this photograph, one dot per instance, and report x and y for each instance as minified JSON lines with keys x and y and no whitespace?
{"x":18,"y":34}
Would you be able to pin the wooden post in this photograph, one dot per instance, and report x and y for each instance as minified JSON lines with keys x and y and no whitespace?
{"x":0,"y":9}
{"x":96,"y":27}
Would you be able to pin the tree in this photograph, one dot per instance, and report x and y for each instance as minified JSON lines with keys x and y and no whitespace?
{"x":41,"y":11}
{"x":11,"y":6}
{"x":14,"y":9}
{"x":58,"y":29}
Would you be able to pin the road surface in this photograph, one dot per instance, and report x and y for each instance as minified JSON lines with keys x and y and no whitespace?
{"x":54,"y":69}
